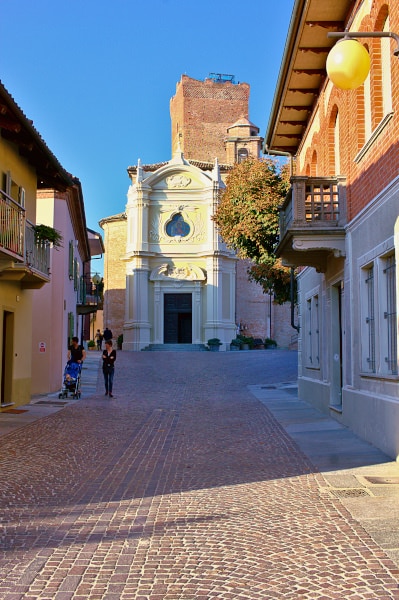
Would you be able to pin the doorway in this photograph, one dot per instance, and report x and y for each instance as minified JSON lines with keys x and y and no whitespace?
{"x":178,"y":319}
{"x":7,"y":357}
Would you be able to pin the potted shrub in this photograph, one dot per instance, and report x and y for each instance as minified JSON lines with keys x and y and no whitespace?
{"x":91,"y":344}
{"x":246,"y":342}
{"x":44,"y":234}
{"x":235,"y":344}
{"x":269,"y":343}
{"x":214,"y":344}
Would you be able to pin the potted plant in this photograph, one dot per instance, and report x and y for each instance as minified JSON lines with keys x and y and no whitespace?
{"x":91,"y":344}
{"x":235,"y":344}
{"x":214,"y":344}
{"x":119,"y":341}
{"x":246,"y":342}
{"x":269,"y":343}
{"x":44,"y":234}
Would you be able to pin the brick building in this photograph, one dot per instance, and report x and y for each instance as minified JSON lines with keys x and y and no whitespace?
{"x":168,"y":286}
{"x":340,"y":220}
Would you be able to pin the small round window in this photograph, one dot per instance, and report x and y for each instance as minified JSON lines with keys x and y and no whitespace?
{"x":177,"y":227}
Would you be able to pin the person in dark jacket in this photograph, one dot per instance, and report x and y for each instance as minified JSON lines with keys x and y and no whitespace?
{"x":109,"y":358}
{"x":107,"y":335}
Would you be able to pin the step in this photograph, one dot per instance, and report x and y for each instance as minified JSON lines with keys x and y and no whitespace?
{"x":175,"y":348}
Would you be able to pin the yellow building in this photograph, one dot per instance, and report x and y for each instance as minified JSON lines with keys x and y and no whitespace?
{"x":26,"y":166}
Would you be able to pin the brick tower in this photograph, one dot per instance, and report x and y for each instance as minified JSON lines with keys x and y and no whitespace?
{"x":203,"y":111}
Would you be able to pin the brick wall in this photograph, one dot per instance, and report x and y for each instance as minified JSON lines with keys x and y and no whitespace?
{"x":201,"y":111}
{"x":261,"y":316}
{"x":369,"y":175}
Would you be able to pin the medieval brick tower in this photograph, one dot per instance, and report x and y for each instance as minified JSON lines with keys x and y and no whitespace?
{"x":210,"y":119}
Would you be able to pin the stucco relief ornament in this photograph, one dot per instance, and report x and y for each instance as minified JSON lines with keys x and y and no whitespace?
{"x":178,"y":181}
{"x":155,"y":232}
{"x":187,"y":272}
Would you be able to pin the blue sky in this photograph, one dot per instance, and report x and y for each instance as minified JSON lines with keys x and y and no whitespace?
{"x":96,"y":76}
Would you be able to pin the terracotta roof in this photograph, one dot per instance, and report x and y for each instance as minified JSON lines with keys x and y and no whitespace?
{"x":302,"y":71}
{"x":15,"y":127}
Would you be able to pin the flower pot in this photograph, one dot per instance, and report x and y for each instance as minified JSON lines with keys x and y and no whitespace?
{"x":244,"y":346}
{"x":214,"y":348}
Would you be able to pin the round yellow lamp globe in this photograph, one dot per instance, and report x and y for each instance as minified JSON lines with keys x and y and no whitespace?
{"x":348,"y":64}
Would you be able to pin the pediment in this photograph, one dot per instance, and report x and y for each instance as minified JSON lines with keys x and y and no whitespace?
{"x":178,"y":177}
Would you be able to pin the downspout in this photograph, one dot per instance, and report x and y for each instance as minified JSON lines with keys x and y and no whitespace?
{"x":292,"y":277}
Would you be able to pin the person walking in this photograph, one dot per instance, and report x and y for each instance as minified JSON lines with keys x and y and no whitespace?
{"x":107,"y":335}
{"x":109,"y":358}
{"x":99,"y":340}
{"x":76,"y":352}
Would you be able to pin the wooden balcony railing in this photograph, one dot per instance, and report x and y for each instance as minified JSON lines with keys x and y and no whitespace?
{"x":312,"y":221}
{"x":314,"y":203}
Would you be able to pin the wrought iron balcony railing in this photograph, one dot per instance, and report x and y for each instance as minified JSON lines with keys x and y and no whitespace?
{"x":21,"y":255}
{"x":12,"y":225}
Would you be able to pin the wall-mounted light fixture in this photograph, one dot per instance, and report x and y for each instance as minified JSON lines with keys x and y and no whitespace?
{"x":348,"y":62}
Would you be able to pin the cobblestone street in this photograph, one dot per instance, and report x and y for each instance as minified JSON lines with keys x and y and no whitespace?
{"x":184,"y":486}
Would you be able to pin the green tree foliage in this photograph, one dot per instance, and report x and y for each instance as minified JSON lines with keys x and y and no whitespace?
{"x":248,"y":220}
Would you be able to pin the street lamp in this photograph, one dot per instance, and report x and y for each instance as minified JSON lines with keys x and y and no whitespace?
{"x":348,"y":62}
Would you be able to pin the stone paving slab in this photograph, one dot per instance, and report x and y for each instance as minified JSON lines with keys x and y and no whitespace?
{"x":182,"y":487}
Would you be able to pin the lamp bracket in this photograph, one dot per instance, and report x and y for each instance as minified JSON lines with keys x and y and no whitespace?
{"x":366,"y":34}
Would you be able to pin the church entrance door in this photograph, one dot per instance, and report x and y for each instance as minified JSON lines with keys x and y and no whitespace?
{"x":177,"y":319}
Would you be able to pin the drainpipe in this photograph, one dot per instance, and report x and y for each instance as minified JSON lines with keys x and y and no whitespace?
{"x":292,"y":281}
{"x":292,"y":278}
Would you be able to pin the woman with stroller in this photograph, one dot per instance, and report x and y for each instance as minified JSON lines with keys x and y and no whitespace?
{"x":109,"y":358}
{"x":76,"y":353}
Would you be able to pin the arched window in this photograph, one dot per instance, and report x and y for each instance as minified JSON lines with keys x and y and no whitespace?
{"x":334,"y":165}
{"x":337,"y":146}
{"x":313,"y":166}
{"x":386,"y":71}
{"x":242,"y":154}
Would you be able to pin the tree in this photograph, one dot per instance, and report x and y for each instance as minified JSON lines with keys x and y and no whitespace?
{"x":248,"y":220}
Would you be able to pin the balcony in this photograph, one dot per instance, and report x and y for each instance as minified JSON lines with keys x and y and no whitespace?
{"x":89,"y":299}
{"x":312,"y":222}
{"x":21,"y":257}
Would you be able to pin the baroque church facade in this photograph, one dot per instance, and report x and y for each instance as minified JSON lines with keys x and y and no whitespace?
{"x":168,"y":277}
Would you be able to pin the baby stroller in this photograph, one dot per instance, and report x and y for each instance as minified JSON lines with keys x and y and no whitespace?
{"x":71,"y":381}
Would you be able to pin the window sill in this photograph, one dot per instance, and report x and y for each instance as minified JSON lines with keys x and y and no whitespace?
{"x":381,"y":126}
{"x":379,"y":376}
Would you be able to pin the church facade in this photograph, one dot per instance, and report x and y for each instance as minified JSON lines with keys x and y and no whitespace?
{"x":169,"y":278}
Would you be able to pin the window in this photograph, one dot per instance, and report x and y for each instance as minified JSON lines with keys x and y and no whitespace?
{"x":312,"y":333}
{"x":337,"y":147}
{"x":379,"y":317}
{"x":370,"y":319}
{"x":70,"y":261}
{"x":71,"y":326}
{"x":242,"y":155}
{"x":386,"y":71}
{"x":390,"y":338}
{"x":75,"y":274}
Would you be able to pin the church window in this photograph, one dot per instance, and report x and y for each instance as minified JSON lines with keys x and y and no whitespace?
{"x":242,"y":154}
{"x":177,"y":226}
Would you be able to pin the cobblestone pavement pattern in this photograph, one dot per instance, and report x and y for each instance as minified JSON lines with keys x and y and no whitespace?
{"x":184,"y":486}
